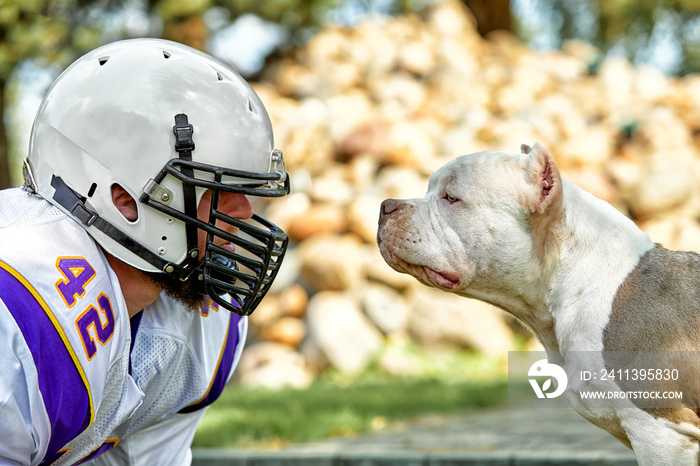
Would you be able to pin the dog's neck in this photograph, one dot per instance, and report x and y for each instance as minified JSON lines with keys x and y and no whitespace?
{"x":567,"y":295}
{"x":602,"y":247}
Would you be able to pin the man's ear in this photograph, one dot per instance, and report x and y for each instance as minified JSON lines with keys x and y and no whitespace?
{"x":124,"y":203}
{"x":542,"y":175}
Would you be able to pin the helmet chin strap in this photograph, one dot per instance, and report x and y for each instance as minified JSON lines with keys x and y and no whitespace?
{"x":75,"y":205}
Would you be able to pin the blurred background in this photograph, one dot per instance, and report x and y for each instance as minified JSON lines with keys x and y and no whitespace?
{"x":367,"y":98}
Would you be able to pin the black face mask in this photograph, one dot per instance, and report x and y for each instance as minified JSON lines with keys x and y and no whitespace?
{"x":239,"y":279}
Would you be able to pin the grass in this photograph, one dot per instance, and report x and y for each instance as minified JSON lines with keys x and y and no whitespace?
{"x":338,"y":404}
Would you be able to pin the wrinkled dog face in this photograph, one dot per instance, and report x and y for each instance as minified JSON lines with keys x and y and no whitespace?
{"x":472,"y":231}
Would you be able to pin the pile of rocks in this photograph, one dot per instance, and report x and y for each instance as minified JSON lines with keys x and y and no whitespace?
{"x":367,"y":113}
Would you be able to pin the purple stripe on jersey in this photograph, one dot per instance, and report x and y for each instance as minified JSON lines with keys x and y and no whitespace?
{"x":104,"y":448}
{"x":134,"y":322}
{"x":65,"y":395}
{"x":224,"y":369}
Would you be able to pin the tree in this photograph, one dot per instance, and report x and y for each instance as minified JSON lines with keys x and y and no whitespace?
{"x":641,"y":31}
{"x":633,"y":26}
{"x":48,"y":30}
{"x":490,"y":15}
{"x":58,"y":31}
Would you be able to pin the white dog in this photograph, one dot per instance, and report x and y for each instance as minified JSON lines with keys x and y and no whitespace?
{"x":503,"y":227}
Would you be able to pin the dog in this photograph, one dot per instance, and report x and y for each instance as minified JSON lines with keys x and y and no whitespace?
{"x":505,"y":228}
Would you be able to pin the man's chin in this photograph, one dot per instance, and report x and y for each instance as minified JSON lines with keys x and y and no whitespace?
{"x":190,"y":293}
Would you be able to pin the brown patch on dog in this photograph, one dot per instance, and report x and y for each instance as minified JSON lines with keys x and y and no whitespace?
{"x":677,"y":415}
{"x":655,"y":323}
{"x":657,"y":307}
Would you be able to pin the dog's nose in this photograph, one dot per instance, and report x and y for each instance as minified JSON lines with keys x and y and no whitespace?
{"x":388,"y":206}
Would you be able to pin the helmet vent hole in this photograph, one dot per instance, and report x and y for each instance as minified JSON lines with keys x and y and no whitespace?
{"x":102,"y":60}
{"x":164,"y":238}
{"x":92,"y":189}
{"x":219,"y":77}
{"x":251,"y":107}
{"x":166,"y":54}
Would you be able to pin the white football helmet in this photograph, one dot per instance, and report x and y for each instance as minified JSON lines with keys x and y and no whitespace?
{"x":166,"y":122}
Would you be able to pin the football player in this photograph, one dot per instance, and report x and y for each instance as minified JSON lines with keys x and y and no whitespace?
{"x":132,"y":255}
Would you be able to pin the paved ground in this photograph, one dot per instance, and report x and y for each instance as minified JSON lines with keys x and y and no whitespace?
{"x":502,"y":437}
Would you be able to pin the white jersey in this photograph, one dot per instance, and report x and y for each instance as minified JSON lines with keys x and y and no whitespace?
{"x":78,"y":379}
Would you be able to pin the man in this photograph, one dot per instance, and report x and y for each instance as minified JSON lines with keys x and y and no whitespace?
{"x":122,"y":256}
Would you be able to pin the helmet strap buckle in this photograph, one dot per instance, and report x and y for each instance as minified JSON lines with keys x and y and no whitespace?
{"x":184,"y":145}
{"x":183,"y":135}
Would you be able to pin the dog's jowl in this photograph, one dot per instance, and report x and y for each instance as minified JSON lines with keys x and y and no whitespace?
{"x":505,"y":228}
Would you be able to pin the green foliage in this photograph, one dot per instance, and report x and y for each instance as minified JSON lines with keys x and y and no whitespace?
{"x":50,"y":31}
{"x":293,"y":14}
{"x":301,"y":18}
{"x":631,"y":23}
{"x":245,"y":417}
{"x":628,"y":27}
{"x":342,"y":404}
{"x":173,"y":9}
{"x":44,"y":29}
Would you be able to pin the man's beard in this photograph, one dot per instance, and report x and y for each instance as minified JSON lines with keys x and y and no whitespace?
{"x":190,"y":292}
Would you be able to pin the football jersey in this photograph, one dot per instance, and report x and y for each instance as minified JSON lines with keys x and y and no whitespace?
{"x":79,"y":380}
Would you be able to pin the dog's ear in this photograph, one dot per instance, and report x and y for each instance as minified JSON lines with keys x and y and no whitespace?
{"x":543,"y":175}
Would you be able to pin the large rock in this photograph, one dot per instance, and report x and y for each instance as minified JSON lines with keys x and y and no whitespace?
{"x":410,"y":142}
{"x":385,"y":307}
{"x":667,"y":134}
{"x":401,"y":95}
{"x":306,"y":146}
{"x":332,"y":262}
{"x":294,"y":300}
{"x":291,"y":301}
{"x":451,"y":18}
{"x":273,"y":365}
{"x":674,"y":232}
{"x":378,"y":270}
{"x":401,"y":183}
{"x":688,"y":235}
{"x":284,"y":212}
{"x":346,"y":337}
{"x":438,"y":319}
{"x":313,"y":354}
{"x":363,"y":216}
{"x":318,"y":219}
{"x":332,"y":188}
{"x":662,"y":190}
{"x":348,"y":112}
{"x":287,"y":330}
{"x":593,"y":181}
{"x":593,"y":145}
{"x":268,"y":311}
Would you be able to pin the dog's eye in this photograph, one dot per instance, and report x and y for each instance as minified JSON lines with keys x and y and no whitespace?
{"x":450,"y":198}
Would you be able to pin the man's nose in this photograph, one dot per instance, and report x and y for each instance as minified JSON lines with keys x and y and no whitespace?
{"x":235,"y":205}
{"x":387,"y":207}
